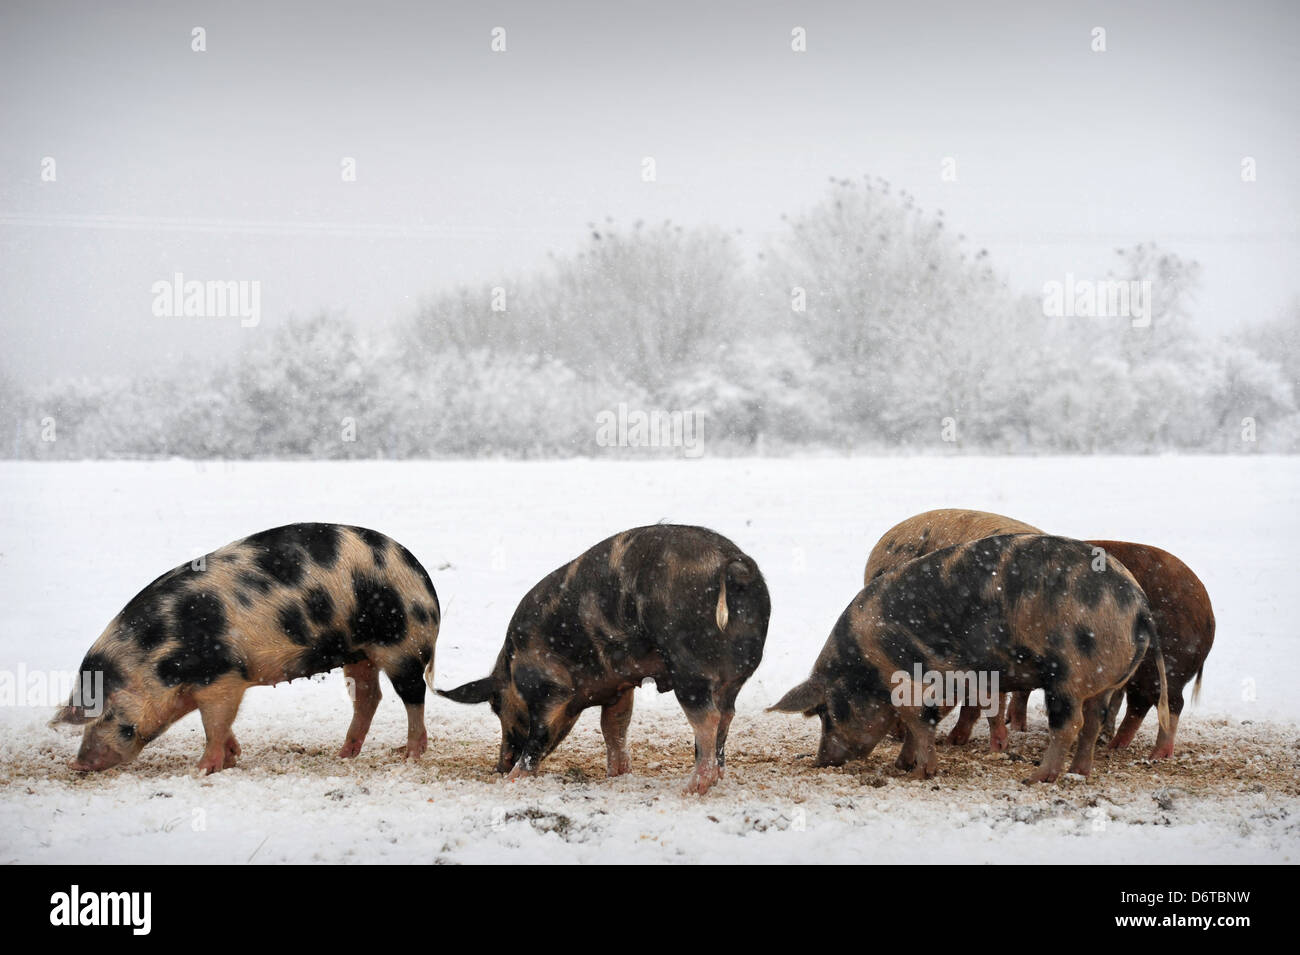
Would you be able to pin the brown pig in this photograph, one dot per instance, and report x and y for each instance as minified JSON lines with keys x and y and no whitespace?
{"x":934,"y":530}
{"x":1029,"y":608}
{"x":1185,"y":619}
{"x":284,"y":603}
{"x":680,"y":605}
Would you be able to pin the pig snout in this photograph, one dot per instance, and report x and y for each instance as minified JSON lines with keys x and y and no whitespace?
{"x":96,"y":757}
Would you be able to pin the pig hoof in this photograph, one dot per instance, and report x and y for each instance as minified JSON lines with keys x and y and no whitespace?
{"x":618,"y":766}
{"x":211,"y":764}
{"x":1042,"y":776}
{"x":958,"y":739}
{"x":416,"y":748}
{"x":702,"y":781}
{"x":350,"y":748}
{"x":1162,"y":752}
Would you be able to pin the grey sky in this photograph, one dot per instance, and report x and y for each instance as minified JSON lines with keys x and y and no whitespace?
{"x":475,"y":164}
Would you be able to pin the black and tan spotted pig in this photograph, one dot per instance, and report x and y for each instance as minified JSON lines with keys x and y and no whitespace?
{"x":1027,"y":607}
{"x":680,"y":605}
{"x":285,"y":603}
{"x":934,"y":530}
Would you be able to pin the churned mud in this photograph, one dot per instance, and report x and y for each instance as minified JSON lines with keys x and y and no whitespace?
{"x":1232,"y":791}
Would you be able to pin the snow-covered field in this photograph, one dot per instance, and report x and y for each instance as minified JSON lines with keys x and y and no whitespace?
{"x":78,"y":540}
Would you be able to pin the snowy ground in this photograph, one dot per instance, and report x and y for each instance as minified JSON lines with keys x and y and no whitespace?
{"x":78,"y":540}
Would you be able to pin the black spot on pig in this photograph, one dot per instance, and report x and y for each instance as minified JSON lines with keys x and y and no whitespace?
{"x":1059,"y":709}
{"x":1088,"y":588}
{"x":145,"y":622}
{"x":201,"y":616}
{"x":1038,"y":566}
{"x":1085,"y":640}
{"x":320,"y":607}
{"x":244,"y":597}
{"x":294,"y":625}
{"x":379,"y":615}
{"x":282,"y":560}
{"x":197,"y":662}
{"x":201,"y":654}
{"x":408,"y":680}
{"x":1053,"y":669}
{"x":330,"y":650}
{"x":321,"y":542}
{"x":532,"y":684}
{"x":975,"y":566}
{"x":377,"y":543}
{"x":419,"y":613}
{"x":97,"y":663}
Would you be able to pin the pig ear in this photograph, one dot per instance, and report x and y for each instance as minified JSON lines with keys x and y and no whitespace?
{"x":808,"y":695}
{"x":75,"y":715}
{"x":480,"y":691}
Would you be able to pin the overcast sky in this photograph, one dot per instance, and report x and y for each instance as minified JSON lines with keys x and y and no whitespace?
{"x":472,"y":165}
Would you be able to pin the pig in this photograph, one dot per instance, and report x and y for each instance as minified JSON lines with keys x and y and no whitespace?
{"x":934,"y":530}
{"x":680,"y":605}
{"x":1027,"y":607}
{"x":285,"y":603}
{"x":1183,"y":614}
{"x":1185,"y":619}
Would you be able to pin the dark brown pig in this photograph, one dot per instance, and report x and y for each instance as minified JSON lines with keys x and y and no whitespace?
{"x":680,"y":605}
{"x":934,"y":530}
{"x":1029,"y":608}
{"x":285,"y":603}
{"x":1185,"y":619}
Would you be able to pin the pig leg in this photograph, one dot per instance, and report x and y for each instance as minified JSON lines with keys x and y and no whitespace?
{"x":218,"y":705}
{"x":614,"y":720}
{"x":727,"y":708}
{"x":998,"y":726}
{"x":907,"y":752}
{"x":1135,"y":712}
{"x":960,"y":734}
{"x":1084,"y":749}
{"x":364,"y":679}
{"x":1064,"y":721}
{"x":407,"y":677}
{"x":1164,"y":747}
{"x":1019,"y":711}
{"x":1112,"y":711}
{"x":706,"y":723}
{"x":920,"y":733}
